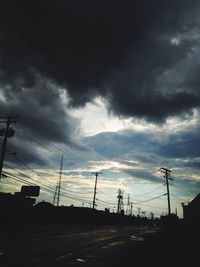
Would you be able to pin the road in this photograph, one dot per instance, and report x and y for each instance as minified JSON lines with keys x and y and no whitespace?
{"x":57,"y":245}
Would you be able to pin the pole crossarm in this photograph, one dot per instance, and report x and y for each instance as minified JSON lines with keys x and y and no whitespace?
{"x":12,"y":119}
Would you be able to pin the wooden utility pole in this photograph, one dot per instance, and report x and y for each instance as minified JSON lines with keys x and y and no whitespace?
{"x":167,"y":177}
{"x":6,"y":132}
{"x":128,"y":205}
{"x":95,"y":188}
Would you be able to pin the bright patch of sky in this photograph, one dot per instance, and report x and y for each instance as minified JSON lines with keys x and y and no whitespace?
{"x":175,"y":41}
{"x":95,"y":118}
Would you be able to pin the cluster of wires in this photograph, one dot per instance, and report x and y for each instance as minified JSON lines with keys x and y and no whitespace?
{"x":19,"y":174}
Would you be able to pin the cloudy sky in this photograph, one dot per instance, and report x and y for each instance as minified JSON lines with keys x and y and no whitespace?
{"x":113,"y":87}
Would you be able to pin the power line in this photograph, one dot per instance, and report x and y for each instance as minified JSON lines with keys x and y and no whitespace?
{"x":32,"y":138}
{"x":105,"y":197}
{"x":153,"y":207}
{"x":70,"y":194}
{"x":149,"y":191}
{"x":45,"y":188}
{"x":106,"y":202}
{"x":10,"y":175}
{"x":36,"y":182}
{"x":35,"y":172}
{"x":28,"y":167}
{"x":65,"y":151}
{"x":150,"y":199}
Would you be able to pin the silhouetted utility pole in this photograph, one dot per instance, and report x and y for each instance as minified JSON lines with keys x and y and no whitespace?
{"x":143,"y":214}
{"x":176,"y":211}
{"x":167,"y":177}
{"x":59,"y":182}
{"x":95,"y":188}
{"x":120,"y":201}
{"x":139,"y":211}
{"x":6,"y":132}
{"x":128,"y":205}
{"x":151,"y":215}
{"x":55,"y":194}
{"x":131,"y":208}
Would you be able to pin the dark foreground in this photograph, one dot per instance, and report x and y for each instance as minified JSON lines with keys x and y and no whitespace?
{"x":74,"y":245}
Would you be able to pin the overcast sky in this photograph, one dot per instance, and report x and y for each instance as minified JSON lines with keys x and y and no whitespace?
{"x":111,"y":85}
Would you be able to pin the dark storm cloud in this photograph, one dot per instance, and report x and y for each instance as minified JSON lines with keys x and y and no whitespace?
{"x":110,"y":48}
{"x":26,"y":152}
{"x":41,"y":120}
{"x":39,"y":110}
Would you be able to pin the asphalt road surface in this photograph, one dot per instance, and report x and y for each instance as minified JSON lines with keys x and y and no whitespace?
{"x":55,"y":245}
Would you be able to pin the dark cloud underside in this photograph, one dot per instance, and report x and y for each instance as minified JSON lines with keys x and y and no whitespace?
{"x":119,"y":50}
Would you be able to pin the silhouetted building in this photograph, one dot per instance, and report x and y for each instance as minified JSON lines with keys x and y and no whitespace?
{"x":11,"y":201}
{"x":44,"y":204}
{"x":22,"y":199}
{"x":191,"y":211}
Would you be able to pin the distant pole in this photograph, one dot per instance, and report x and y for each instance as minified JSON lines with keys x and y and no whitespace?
{"x":131,"y":208}
{"x":7,"y":133}
{"x":95,"y":187}
{"x":176,"y":211}
{"x":128,"y":205}
{"x":55,"y":194}
{"x":167,"y":178}
{"x":139,"y":210}
{"x":59,"y":183}
{"x":120,"y":201}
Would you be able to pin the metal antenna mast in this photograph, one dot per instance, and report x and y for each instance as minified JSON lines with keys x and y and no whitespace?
{"x":55,"y":194}
{"x":120,"y":205}
{"x":59,"y":183}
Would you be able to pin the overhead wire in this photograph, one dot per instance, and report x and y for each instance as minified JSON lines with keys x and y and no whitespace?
{"x":155,"y":189}
{"x":12,"y":176}
{"x":65,"y":151}
{"x":150,"y":199}
{"x":154,"y":207}
{"x":44,"y":178}
{"x":45,"y":187}
{"x":70,"y":195}
{"x":106,"y":202}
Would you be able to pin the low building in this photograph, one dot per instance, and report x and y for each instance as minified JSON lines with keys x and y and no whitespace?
{"x":23,"y":199}
{"x":191,"y":211}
